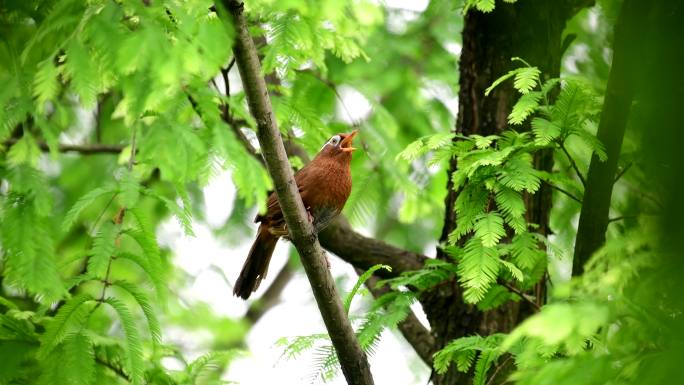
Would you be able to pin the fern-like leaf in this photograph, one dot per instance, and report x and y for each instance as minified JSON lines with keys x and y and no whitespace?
{"x":524,"y":107}
{"x":146,"y":305}
{"x":362,"y":279}
{"x":134,"y":354}
{"x":208,"y":367}
{"x":83,"y":202}
{"x":489,"y":229}
{"x":79,"y":359}
{"x":526,"y":79}
{"x":478,"y":268}
{"x":45,"y":83}
{"x":72,"y":315}
{"x":104,"y":246}
{"x":485,"y":361}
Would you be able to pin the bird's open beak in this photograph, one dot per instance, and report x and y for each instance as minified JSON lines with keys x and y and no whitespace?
{"x":345,"y":145}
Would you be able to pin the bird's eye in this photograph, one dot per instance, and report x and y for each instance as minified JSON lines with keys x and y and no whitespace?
{"x":335,"y":140}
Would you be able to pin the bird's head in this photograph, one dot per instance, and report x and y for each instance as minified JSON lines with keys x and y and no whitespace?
{"x":339,"y":146}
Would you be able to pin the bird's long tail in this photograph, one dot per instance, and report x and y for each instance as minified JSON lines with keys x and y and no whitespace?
{"x":256,"y":265}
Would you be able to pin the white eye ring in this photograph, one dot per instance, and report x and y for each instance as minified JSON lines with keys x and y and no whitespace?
{"x":335,"y":140}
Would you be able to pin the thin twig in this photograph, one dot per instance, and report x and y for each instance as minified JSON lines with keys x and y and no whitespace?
{"x":84,"y":149}
{"x":522,"y":295}
{"x":573,"y":164}
{"x":118,"y":219}
{"x":621,"y":218}
{"x":568,"y":193}
{"x":622,"y":172}
{"x":498,"y":368}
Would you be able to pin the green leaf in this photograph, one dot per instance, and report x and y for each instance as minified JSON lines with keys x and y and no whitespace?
{"x":182,"y":214}
{"x":515,"y":272}
{"x":24,"y":151}
{"x":526,"y":79}
{"x":45,"y":83}
{"x":362,"y":279}
{"x":525,"y":250}
{"x":485,"y":5}
{"x":440,"y":140}
{"x":79,"y":359}
{"x":129,"y":189}
{"x":489,"y":229}
{"x":496,"y":296}
{"x":210,"y":366}
{"x":462,"y":351}
{"x":82,"y":203}
{"x":135,"y":365}
{"x":478,"y":268}
{"x":483,"y":142}
{"x":146,"y":305}
{"x":103,"y":249}
{"x":413,"y":151}
{"x":545,"y":131}
{"x":81,"y":71}
{"x":71,"y":316}
{"x":500,"y":80}
{"x":518,"y":174}
{"x":484,"y":362}
{"x":524,"y":107}
{"x":592,"y":142}
{"x":28,"y":246}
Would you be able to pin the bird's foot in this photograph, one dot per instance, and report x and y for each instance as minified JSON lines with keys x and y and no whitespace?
{"x":327,"y":260}
{"x":308,"y":214}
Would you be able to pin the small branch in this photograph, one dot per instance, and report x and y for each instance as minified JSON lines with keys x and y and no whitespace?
{"x":226,"y":116}
{"x":232,"y":123}
{"x":566,"y":192}
{"x":520,"y":294}
{"x":622,"y":172}
{"x":84,"y":149}
{"x":498,"y":369}
{"x":573,"y":164}
{"x":352,"y":359}
{"x":610,"y":220}
{"x":363,"y":252}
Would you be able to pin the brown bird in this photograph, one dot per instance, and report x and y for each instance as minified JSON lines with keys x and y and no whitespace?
{"x":324,"y":185}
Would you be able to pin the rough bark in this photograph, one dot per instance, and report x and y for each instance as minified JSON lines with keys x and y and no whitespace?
{"x":593,"y":222}
{"x":531,"y":30}
{"x":353,"y":360}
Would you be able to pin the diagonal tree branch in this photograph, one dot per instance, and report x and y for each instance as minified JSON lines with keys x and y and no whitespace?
{"x":352,"y":359}
{"x":363,"y":252}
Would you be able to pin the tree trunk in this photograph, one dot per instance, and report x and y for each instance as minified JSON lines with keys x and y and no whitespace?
{"x":593,"y":222}
{"x":531,"y":30}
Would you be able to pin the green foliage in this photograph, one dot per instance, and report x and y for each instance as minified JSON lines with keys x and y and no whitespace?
{"x":362,"y":279}
{"x":385,"y":313}
{"x":134,"y":352}
{"x":463,"y":353}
